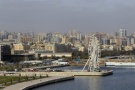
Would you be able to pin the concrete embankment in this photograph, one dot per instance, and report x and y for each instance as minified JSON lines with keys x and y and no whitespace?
{"x":68,"y":73}
{"x":37,"y":83}
{"x":80,"y":73}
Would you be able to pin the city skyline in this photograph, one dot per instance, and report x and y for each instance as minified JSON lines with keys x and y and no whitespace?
{"x":64,"y":15}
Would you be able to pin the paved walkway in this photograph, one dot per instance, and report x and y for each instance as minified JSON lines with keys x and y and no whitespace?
{"x":20,"y":86}
{"x":43,"y":67}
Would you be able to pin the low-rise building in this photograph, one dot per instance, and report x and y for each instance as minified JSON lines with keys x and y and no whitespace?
{"x":68,"y":55}
{"x":20,"y":48}
{"x":128,"y":48}
{"x":26,"y":39}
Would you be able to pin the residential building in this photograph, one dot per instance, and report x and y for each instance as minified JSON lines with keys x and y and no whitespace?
{"x":20,"y":48}
{"x":123,"y":33}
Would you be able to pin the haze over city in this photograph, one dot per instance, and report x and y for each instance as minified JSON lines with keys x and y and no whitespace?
{"x":64,"y":15}
{"x":54,"y":44}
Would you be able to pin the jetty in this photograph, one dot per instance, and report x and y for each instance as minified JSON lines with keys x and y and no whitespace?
{"x":68,"y":73}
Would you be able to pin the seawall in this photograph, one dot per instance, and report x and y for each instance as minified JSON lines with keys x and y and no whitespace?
{"x":49,"y":82}
{"x":37,"y":83}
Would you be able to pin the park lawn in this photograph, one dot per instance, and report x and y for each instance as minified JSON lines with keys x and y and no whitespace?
{"x":9,"y":80}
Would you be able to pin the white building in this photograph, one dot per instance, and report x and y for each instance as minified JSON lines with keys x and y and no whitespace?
{"x":123,"y":32}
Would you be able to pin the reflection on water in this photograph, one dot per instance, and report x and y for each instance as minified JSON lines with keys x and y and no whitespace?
{"x":95,"y":83}
{"x":122,"y":79}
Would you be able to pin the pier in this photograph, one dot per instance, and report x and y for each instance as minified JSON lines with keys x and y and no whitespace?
{"x":68,"y":73}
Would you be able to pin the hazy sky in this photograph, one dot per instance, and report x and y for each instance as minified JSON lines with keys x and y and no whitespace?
{"x":64,"y":15}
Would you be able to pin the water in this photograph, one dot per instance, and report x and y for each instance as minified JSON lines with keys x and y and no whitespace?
{"x":122,"y":79}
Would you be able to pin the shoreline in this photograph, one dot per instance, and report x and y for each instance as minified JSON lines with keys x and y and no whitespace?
{"x":37,"y":83}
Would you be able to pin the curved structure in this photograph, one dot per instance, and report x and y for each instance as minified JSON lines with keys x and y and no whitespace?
{"x":94,"y":53}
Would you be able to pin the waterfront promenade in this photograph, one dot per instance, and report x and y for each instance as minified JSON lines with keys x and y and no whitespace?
{"x":37,"y":83}
{"x":68,"y":73}
{"x":44,"y":67}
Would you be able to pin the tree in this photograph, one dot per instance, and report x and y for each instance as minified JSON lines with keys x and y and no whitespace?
{"x":44,"y":57}
{"x":53,"y":57}
{"x":63,"y":56}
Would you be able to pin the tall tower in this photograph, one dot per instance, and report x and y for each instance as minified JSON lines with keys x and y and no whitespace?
{"x":123,"y":33}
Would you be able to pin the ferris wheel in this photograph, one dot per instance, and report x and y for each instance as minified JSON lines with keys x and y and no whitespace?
{"x":94,"y":54}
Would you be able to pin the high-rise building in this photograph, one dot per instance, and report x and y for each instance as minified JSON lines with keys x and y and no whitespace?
{"x":66,"y":39}
{"x":75,"y":34}
{"x":4,"y":34}
{"x":105,"y":41}
{"x":116,"y":34}
{"x":39,"y":38}
{"x":123,"y":33}
{"x":123,"y":41}
{"x":86,"y":39}
{"x":130,"y":41}
{"x":49,"y":37}
{"x":19,"y":37}
{"x":4,"y":50}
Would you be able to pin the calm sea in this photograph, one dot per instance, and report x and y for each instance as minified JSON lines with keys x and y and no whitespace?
{"x":122,"y":79}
